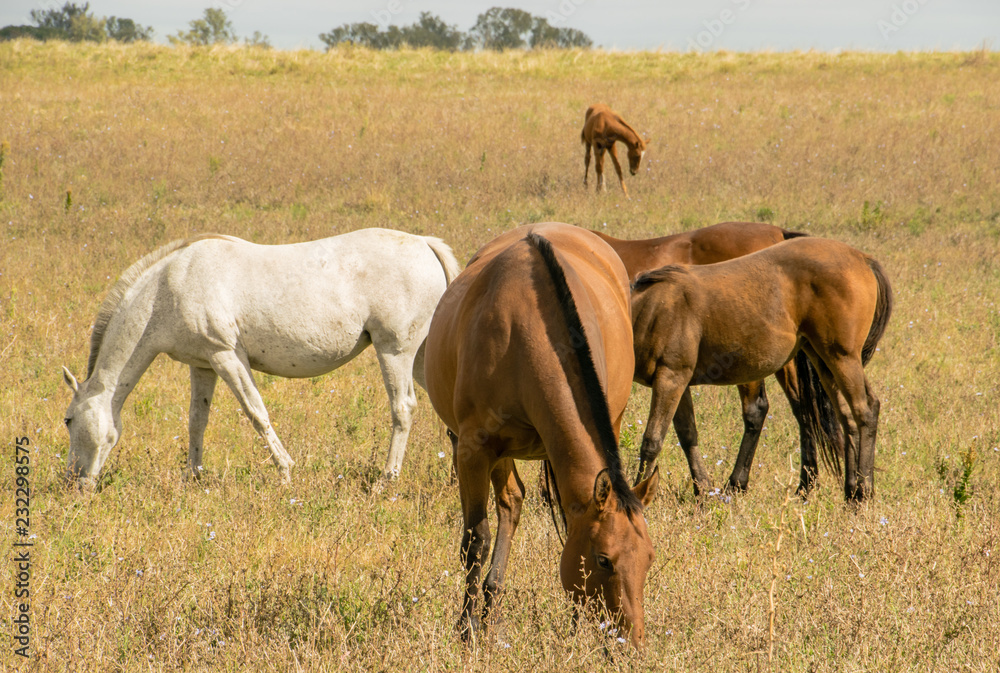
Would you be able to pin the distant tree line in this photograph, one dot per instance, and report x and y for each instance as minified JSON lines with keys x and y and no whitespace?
{"x":497,"y":29}
{"x":76,"y":23}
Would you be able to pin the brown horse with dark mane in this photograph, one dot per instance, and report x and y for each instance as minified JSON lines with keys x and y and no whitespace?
{"x":818,"y":426}
{"x":739,"y":321}
{"x":602,"y":128}
{"x":529,"y":357}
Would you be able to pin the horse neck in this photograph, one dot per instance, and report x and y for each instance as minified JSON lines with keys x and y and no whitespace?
{"x":575,"y":459}
{"x":124,"y":353}
{"x":626,"y":134}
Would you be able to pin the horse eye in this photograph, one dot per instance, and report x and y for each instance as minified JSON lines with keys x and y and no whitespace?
{"x":66,"y":421}
{"x":604,"y":563}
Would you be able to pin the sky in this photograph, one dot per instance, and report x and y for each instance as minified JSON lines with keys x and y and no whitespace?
{"x":672,"y":25}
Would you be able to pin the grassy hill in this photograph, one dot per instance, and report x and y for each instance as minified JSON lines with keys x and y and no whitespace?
{"x":109,"y":151}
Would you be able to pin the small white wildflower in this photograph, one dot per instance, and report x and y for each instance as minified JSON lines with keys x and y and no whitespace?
{"x":440,"y":454}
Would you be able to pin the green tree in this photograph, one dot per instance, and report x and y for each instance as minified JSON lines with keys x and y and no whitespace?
{"x":500,"y":28}
{"x":258,"y":40}
{"x":72,"y":22}
{"x":214,"y":28}
{"x":363,"y":35}
{"x":544,"y":35}
{"x":127,"y":30}
{"x":431,"y":31}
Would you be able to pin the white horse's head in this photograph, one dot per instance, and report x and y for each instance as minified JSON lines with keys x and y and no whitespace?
{"x":93,"y":432}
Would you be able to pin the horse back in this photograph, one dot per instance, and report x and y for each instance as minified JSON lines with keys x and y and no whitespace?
{"x":498,"y":346}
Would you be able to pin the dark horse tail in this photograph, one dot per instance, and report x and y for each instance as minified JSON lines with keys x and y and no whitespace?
{"x":819,"y":418}
{"x":883,"y":310}
{"x":787,"y":234}
{"x":596,"y":399}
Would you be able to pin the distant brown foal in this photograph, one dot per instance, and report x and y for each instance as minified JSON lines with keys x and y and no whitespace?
{"x":602,"y":128}
{"x":529,"y":357}
{"x":719,"y":243}
{"x":738,"y":321}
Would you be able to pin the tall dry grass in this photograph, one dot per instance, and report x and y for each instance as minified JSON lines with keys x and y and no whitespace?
{"x":110,"y":151}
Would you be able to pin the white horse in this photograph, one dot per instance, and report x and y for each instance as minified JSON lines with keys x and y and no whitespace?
{"x":225,"y":306}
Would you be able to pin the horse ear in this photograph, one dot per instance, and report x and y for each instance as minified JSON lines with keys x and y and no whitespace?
{"x":602,"y":489}
{"x":645,"y":490}
{"x":70,"y":380}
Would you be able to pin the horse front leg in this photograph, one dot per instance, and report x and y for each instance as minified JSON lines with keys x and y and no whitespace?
{"x":474,"y":489}
{"x":202,"y":390}
{"x":669,"y":389}
{"x":586,"y":164}
{"x":235,"y":371}
{"x":509,"y":491}
{"x":687,"y":434}
{"x":753,"y":398}
{"x":618,"y":168}
{"x":599,"y":167}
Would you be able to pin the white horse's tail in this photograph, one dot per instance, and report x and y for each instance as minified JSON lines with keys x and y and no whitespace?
{"x":444,"y":254}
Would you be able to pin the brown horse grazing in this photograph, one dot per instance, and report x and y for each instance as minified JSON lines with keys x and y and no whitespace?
{"x":738,"y":321}
{"x":602,"y":128}
{"x":817,"y":423}
{"x":529,"y":357}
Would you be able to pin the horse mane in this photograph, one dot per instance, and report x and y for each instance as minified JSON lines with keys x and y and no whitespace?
{"x":639,"y":139}
{"x":658,"y":275}
{"x":129,"y":278}
{"x":596,"y":398}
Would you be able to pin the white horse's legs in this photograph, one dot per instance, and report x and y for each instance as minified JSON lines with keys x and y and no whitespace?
{"x":397,"y":371}
{"x":235,"y":371}
{"x":202,"y":390}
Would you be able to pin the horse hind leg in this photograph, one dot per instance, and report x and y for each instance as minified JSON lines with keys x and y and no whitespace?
{"x":753,"y":398}
{"x":202,"y":390}
{"x":397,"y":375}
{"x":509,"y":492}
{"x":235,"y":371}
{"x":844,"y":380}
{"x":599,"y":168}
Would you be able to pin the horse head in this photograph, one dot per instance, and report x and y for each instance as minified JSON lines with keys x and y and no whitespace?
{"x":93,"y":431}
{"x":608,"y":554}
{"x":635,"y":154}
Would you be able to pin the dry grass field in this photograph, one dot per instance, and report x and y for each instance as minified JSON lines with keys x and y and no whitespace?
{"x":110,"y":151}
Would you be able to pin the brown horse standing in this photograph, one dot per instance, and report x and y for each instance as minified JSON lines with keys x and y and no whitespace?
{"x":738,"y":321}
{"x":529,"y":357}
{"x":719,"y":243}
{"x":602,"y":128}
